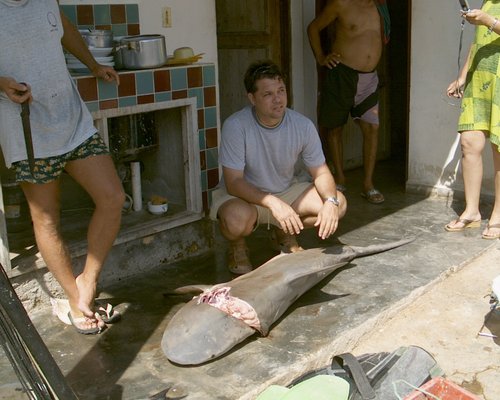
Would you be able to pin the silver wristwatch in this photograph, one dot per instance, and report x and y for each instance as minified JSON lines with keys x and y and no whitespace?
{"x":333,"y":200}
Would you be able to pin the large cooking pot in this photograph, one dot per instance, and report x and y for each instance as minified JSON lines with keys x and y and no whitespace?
{"x":98,"y":37}
{"x":142,"y":51}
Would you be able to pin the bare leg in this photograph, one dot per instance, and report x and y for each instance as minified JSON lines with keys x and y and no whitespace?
{"x":309,"y":203}
{"x":370,"y":143}
{"x":472,"y":143}
{"x":336,"y":149}
{"x":237,"y":219}
{"x":97,"y":175}
{"x":495,"y":214}
{"x":323,"y":135}
{"x":44,"y":203}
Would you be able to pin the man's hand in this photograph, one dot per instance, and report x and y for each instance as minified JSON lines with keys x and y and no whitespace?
{"x":15,"y":91}
{"x":289,"y":220}
{"x":330,"y":60}
{"x":328,"y":220}
{"x":106,"y":73}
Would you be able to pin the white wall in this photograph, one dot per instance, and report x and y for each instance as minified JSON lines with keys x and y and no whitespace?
{"x":193,"y":23}
{"x":434,"y":151}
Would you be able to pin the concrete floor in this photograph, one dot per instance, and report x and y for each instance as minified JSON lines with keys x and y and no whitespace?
{"x":126,"y":361}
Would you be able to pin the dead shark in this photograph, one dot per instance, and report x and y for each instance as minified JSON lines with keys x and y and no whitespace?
{"x":225,"y":314}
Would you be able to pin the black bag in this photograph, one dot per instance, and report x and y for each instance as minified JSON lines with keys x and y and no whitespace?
{"x":381,"y":376}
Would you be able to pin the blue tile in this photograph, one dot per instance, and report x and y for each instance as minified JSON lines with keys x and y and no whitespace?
{"x":70,"y":12}
{"x":198,"y":93}
{"x":212,"y":156}
{"x":102,"y":14}
{"x":144,"y":82}
{"x":132,"y":11}
{"x":163,"y":96}
{"x":210,"y":117}
{"x":209,"y":75}
{"x":204,"y":181}
{"x":119,"y":30}
{"x":178,"y":78}
{"x":92,"y":106}
{"x":106,"y":90}
{"x":127,"y":101}
{"x":202,"y":141}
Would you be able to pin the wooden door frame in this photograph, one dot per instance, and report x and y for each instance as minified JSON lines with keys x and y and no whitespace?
{"x":286,"y":46}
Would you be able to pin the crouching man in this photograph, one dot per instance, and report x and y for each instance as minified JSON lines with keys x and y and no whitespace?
{"x":259,"y":149}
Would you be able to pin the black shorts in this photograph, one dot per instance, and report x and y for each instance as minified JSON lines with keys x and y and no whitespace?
{"x":345,"y":92}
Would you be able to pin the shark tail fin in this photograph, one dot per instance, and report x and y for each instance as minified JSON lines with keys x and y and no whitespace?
{"x":379,"y":248}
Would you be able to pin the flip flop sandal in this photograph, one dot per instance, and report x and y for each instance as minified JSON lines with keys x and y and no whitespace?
{"x":79,"y":320}
{"x":373,"y":196}
{"x":466,"y":223}
{"x":108,"y":314}
{"x":494,"y":236}
{"x":60,"y":308}
{"x":239,"y":262}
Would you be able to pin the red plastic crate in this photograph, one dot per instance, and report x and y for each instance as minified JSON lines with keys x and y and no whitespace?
{"x":443,"y":389}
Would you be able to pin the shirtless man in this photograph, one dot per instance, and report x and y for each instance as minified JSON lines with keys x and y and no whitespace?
{"x":350,"y":84}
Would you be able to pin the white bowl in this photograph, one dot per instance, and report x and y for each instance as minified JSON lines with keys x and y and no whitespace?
{"x":157,"y":209}
{"x":100,"y":51}
{"x":100,"y":60}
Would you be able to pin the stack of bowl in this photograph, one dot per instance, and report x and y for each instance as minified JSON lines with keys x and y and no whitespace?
{"x":100,"y":44}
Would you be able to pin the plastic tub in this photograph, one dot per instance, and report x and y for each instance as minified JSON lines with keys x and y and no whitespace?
{"x":443,"y":389}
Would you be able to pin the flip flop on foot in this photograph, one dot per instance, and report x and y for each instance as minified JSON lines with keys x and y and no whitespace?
{"x":463,"y":224}
{"x":85,"y":325}
{"x":107,"y":312}
{"x":373,"y":196}
{"x":487,"y":235}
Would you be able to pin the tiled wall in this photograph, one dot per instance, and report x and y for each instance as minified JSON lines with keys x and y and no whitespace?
{"x":122,"y":19}
{"x":163,"y":84}
{"x":153,"y":85}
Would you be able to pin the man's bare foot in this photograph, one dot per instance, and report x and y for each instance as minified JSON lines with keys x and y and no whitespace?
{"x":85,"y":325}
{"x":286,"y":243}
{"x":86,"y":295}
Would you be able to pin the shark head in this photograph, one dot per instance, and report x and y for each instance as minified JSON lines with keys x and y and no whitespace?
{"x":198,"y":333}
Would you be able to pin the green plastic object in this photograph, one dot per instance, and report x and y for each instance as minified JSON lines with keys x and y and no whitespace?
{"x":319,"y":387}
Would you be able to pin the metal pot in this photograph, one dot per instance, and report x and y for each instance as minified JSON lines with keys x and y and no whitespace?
{"x":142,"y":51}
{"x":98,"y":37}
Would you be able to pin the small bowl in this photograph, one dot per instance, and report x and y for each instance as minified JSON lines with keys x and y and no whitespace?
{"x":157,"y":209}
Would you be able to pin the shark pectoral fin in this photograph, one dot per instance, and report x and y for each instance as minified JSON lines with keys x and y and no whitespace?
{"x":191,"y":289}
{"x":200,"y":333}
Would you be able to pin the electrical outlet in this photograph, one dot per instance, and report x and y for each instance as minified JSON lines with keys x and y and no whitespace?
{"x":167,"y":17}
